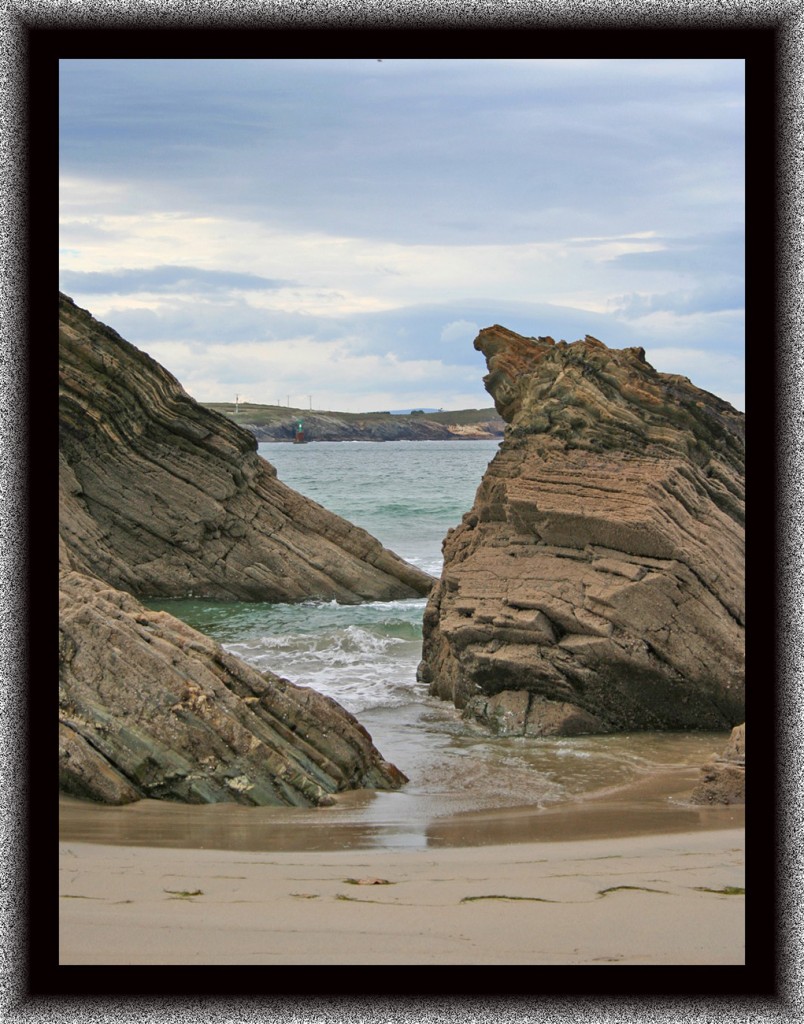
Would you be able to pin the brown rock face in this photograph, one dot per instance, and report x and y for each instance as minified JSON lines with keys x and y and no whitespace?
{"x":723,"y":777}
{"x":159,"y":496}
{"x":148,"y":707}
{"x":164,"y":498}
{"x":600,"y":570}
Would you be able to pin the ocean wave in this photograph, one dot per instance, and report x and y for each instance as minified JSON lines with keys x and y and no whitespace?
{"x":408,"y":604}
{"x":360,"y":666}
{"x":354,"y":640}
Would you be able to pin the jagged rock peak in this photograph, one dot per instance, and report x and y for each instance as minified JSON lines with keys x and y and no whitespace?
{"x":597,"y":583}
{"x":590,"y":396}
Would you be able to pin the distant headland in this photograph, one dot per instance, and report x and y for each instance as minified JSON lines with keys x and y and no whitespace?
{"x":281,"y":423}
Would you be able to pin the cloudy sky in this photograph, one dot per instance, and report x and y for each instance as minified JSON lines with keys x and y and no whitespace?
{"x":335,"y":232}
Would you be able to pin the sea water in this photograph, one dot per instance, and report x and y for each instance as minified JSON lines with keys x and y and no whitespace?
{"x":408,"y":495}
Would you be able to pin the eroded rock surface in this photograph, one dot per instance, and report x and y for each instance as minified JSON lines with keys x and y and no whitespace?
{"x":597,"y":582}
{"x":723,"y":776}
{"x":160,"y":497}
{"x":164,"y":498}
{"x":149,"y":707}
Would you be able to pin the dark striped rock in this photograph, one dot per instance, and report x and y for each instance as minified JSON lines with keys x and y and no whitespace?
{"x":161,"y":497}
{"x":149,"y":707}
{"x":165,"y":498}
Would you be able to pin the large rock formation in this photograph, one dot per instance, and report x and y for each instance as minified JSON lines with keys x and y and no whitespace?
{"x":159,"y":496}
{"x":164,"y":498}
{"x":148,"y":707}
{"x":597,"y":582}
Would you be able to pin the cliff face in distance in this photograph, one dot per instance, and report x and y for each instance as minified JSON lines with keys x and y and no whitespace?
{"x":164,"y":498}
{"x":597,"y":582}
{"x":160,"y":497}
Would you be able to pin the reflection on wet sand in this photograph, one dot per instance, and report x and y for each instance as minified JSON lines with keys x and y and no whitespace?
{"x":366,"y":820}
{"x":592,"y":820}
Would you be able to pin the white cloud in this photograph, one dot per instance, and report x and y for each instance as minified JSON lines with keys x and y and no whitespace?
{"x":392,"y":205}
{"x":298,"y":367}
{"x":343,"y":274}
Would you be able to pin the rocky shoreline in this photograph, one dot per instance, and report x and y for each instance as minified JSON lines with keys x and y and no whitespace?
{"x":723,"y":776}
{"x":160,"y":497}
{"x":596,"y":585}
{"x":164,"y":498}
{"x":152,"y":708}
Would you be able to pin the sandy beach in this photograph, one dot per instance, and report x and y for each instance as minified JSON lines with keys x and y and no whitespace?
{"x":643,"y":899}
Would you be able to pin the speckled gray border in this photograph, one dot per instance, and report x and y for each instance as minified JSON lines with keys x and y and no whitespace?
{"x":788,"y":16}
{"x":790,"y":511}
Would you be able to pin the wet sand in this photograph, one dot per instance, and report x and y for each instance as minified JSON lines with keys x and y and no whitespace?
{"x":370,"y":820}
{"x":630,"y":876}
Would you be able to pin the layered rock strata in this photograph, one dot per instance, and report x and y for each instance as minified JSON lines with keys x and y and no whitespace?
{"x":597,"y":582}
{"x":161,"y":497}
{"x":164,"y":498}
{"x":148,"y":707}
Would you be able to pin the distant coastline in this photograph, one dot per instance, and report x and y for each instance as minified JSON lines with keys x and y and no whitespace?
{"x":281,"y":423}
